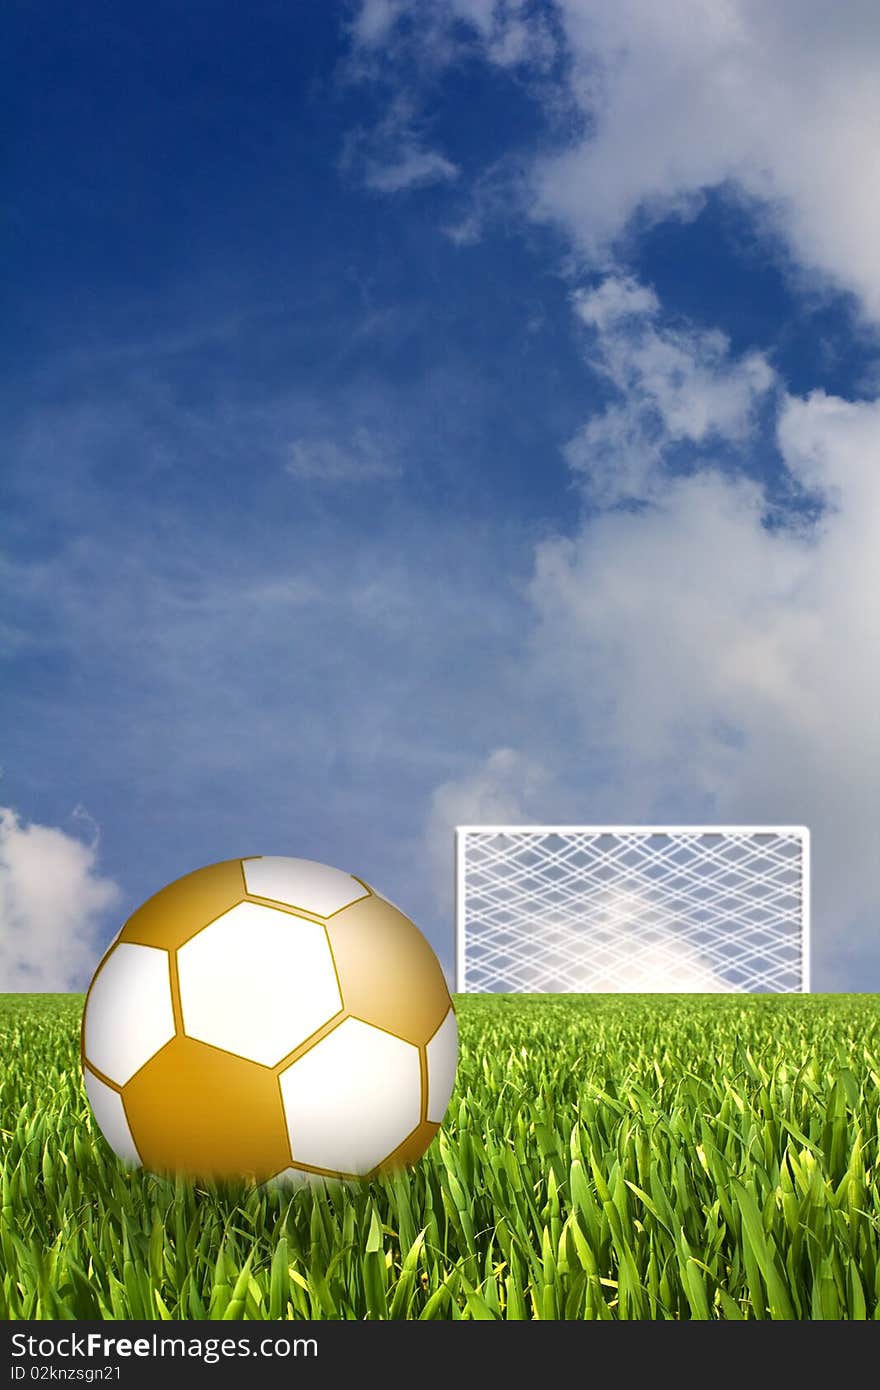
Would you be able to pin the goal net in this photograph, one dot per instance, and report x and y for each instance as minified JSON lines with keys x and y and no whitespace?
{"x":593,"y":909}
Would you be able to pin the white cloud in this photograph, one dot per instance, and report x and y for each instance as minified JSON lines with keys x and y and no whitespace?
{"x":514,"y":32}
{"x":616,"y":455}
{"x":52,"y":900}
{"x":375,"y":19}
{"x":467,"y":231}
{"x":363,"y":458}
{"x":504,"y":789}
{"x":402,"y":45}
{"x":616,"y":299}
{"x":509,"y":32}
{"x":677,"y":385}
{"x":780,"y":101}
{"x":409,"y":167}
{"x":394,"y":155}
{"x":499,"y":792}
{"x":684,"y":374}
{"x":486,"y":200}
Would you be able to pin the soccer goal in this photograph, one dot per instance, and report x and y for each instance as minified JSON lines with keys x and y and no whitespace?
{"x":606,"y":909}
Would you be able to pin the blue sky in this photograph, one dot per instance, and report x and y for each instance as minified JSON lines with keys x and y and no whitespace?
{"x":419,"y":414}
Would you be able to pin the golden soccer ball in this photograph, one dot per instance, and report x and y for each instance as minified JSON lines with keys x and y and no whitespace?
{"x":269,"y":1018}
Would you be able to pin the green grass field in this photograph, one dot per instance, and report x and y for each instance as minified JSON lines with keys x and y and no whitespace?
{"x":603,"y":1157}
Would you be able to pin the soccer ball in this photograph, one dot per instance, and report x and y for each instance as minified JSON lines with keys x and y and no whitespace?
{"x":269,"y":1018}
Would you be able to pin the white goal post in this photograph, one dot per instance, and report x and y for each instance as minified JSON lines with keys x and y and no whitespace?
{"x":632,"y":908}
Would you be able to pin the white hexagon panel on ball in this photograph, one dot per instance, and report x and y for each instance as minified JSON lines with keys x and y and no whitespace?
{"x":128,"y":1012}
{"x":352,"y":1098}
{"x":442,"y":1053}
{"x":109,"y":1112}
{"x":302,"y":883}
{"x":257,"y":982}
{"x":300,"y":1178}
